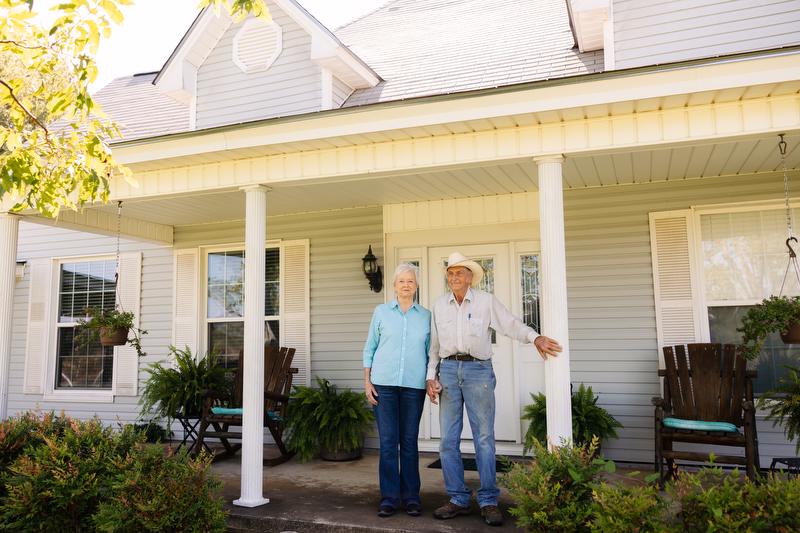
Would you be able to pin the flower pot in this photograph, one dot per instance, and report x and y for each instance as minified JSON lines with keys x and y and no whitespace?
{"x":792,"y":336}
{"x":339,"y":455}
{"x":113,"y":337}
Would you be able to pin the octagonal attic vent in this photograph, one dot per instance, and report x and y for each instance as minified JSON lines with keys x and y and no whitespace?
{"x":257,"y":45}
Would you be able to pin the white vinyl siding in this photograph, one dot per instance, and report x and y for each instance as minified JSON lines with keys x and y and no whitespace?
{"x":37,"y":245}
{"x":612,"y":313}
{"x":650,"y":32}
{"x":341,"y":302}
{"x":341,"y":92}
{"x":291,"y":85}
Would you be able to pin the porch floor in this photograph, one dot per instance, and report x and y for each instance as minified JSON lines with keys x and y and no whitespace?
{"x":323,"y":496}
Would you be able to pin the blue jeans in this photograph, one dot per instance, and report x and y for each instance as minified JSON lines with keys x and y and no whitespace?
{"x":398,"y":413}
{"x":469,"y":383}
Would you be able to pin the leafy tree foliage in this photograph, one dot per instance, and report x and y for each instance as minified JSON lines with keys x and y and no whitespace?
{"x":54,"y":139}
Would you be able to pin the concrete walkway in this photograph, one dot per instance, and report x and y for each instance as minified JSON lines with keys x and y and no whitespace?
{"x":322,"y":496}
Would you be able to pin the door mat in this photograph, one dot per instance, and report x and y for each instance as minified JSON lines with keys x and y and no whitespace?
{"x":471,"y":464}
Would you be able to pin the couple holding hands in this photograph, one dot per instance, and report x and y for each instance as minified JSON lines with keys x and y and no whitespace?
{"x":446,"y":353}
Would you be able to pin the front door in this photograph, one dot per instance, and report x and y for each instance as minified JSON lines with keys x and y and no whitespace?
{"x":494,"y":258}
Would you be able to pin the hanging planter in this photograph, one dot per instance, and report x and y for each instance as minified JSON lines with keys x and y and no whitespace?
{"x":113,"y":336}
{"x":111,"y":327}
{"x":791,"y":335}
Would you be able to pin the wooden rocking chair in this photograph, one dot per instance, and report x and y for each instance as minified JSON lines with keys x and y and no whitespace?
{"x":217,"y":422}
{"x":708,"y":399}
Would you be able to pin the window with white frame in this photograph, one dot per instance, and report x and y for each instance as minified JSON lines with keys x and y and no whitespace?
{"x":744,"y":259}
{"x":225,"y":301}
{"x":81,"y":362}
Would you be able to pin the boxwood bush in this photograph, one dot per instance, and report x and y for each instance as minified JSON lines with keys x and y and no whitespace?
{"x":65,"y":475}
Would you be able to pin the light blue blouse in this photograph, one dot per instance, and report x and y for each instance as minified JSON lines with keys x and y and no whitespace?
{"x":397,"y":345}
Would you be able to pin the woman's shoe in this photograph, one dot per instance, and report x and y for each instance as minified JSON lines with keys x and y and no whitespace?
{"x":385,"y":511}
{"x":413,"y":509}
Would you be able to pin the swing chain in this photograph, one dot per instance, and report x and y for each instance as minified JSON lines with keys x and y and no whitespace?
{"x":791,"y":238}
{"x":116,"y":270}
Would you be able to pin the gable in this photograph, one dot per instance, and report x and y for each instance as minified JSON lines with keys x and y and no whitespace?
{"x":227,"y":93}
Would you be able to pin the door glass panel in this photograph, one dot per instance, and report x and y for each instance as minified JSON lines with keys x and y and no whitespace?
{"x":529,"y":278}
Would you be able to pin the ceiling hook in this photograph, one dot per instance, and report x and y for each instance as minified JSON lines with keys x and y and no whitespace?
{"x":782,"y":144}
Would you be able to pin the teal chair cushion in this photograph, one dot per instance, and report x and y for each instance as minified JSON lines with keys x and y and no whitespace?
{"x":227,"y":410}
{"x":239,"y":411}
{"x":699,"y":425}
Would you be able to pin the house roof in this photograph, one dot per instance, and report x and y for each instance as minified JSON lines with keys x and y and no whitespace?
{"x":140,"y":109}
{"x":427,"y":47}
{"x":418,"y":47}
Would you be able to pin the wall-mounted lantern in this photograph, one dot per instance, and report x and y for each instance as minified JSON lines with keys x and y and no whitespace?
{"x":372,"y":271}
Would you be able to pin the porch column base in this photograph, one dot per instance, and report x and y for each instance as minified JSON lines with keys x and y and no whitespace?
{"x":554,"y":299}
{"x":9,"y":232}
{"x":253,"y":357}
{"x":250,"y":503}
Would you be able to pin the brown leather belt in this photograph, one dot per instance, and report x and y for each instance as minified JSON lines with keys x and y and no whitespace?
{"x":462,"y":357}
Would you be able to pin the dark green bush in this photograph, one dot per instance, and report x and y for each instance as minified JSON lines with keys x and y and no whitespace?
{"x":27,"y":430}
{"x":56,"y":484}
{"x":55,"y":473}
{"x":634,"y":509}
{"x":153,"y":432}
{"x":588,"y":419}
{"x":553,"y":492}
{"x":713,"y":501}
{"x":158,"y":492}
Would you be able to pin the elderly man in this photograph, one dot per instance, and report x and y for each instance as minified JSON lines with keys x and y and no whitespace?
{"x":460,"y":371}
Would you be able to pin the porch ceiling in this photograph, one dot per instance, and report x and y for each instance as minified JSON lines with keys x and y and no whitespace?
{"x":756,"y":155}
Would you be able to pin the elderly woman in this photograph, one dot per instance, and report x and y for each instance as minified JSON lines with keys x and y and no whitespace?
{"x":395,"y":359}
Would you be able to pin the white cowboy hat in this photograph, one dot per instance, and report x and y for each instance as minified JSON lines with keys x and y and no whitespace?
{"x":458,"y":259}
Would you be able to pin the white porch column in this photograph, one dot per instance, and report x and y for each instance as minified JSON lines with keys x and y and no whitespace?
{"x":9,"y":228}
{"x":253,"y":386}
{"x":554,"y":298}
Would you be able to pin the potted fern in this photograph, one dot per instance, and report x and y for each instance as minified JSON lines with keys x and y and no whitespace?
{"x":588,"y":419}
{"x":327,"y":421}
{"x":776,"y":314}
{"x":178,"y":390}
{"x":111,"y":327}
{"x":783,"y":405}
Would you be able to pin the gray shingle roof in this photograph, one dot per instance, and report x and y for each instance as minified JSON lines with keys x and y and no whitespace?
{"x":140,"y":109}
{"x":427,"y":47}
{"x":419,"y":48}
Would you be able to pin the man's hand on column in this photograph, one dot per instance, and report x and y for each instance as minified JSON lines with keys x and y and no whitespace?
{"x":547,"y":346}
{"x":433,"y":387}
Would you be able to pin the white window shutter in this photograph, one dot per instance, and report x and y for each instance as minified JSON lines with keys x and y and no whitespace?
{"x":39,"y":326}
{"x":186,"y":314}
{"x":671,"y":241}
{"x":129,"y":291}
{"x":295,"y":331}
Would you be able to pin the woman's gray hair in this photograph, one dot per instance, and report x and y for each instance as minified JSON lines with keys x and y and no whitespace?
{"x":405,"y":267}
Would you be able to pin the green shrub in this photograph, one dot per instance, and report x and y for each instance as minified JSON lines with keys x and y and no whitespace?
{"x":158,"y":492}
{"x":153,"y":432}
{"x":588,"y":419}
{"x":55,"y":472}
{"x":713,"y":501}
{"x":783,"y":405}
{"x":56,"y":484}
{"x":635,"y":509}
{"x":553,"y":492}
{"x":27,"y":430}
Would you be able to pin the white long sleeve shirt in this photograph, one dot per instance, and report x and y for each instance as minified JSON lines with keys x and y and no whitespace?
{"x":464,"y":328}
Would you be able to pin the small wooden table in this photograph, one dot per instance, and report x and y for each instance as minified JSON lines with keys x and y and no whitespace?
{"x":189,"y":425}
{"x":792,"y":465}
